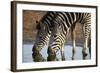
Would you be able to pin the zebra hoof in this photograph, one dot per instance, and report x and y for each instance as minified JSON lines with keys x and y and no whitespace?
{"x":84,"y":55}
{"x":63,"y":59}
{"x":73,"y":58}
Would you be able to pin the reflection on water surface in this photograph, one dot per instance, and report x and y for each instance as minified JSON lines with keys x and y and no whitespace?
{"x":28,"y":57}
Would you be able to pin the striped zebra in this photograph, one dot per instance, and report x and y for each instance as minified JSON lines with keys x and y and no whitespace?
{"x":63,"y":22}
{"x":54,"y":27}
{"x":44,"y":27}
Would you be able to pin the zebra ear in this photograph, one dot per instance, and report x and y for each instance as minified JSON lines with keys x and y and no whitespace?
{"x":38,"y":25}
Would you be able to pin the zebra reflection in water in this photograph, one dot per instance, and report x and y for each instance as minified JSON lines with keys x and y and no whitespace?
{"x":54,"y":28}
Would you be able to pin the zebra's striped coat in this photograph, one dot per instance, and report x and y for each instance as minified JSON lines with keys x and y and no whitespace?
{"x":55,"y":26}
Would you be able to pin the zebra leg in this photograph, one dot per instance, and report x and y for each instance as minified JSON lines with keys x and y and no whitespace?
{"x":89,"y":45}
{"x":86,"y":40}
{"x":85,"y":48}
{"x":62,"y":52}
{"x":73,"y":43}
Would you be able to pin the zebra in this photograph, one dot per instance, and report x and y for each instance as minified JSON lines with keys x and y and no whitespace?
{"x":54,"y":23}
{"x":65,"y":21}
{"x":44,"y":27}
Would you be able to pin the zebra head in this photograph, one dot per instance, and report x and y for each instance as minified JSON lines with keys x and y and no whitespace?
{"x":42,"y":37}
{"x":44,"y":30}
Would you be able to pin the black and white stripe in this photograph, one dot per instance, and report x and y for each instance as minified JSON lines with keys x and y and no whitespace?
{"x":63,"y":22}
{"x":54,"y":28}
{"x":44,"y":32}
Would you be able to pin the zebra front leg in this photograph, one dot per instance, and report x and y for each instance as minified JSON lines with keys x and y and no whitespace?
{"x":85,"y":49}
{"x":89,"y":44}
{"x":62,"y":52}
{"x":86,"y":41}
{"x":73,"y":43}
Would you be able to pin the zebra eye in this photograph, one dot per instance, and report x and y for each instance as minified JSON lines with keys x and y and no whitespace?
{"x":40,"y":37}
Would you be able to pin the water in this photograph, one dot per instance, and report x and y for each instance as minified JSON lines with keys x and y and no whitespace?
{"x":27,"y":53}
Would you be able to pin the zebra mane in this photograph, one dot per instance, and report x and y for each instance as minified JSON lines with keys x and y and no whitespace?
{"x":41,"y":20}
